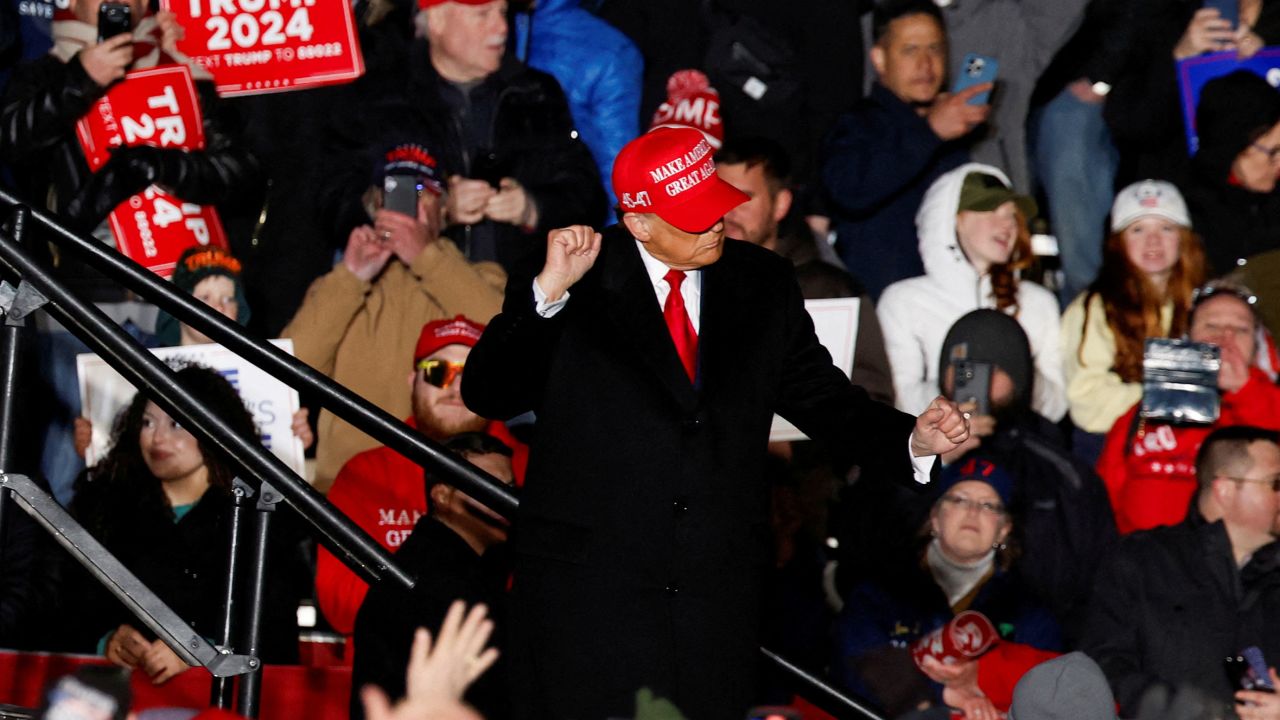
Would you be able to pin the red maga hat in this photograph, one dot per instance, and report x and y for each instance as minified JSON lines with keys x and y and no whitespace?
{"x":441,"y":333}
{"x":670,"y":172}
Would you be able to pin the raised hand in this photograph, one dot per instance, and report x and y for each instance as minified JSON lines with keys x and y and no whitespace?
{"x":951,"y":116}
{"x":405,"y":236}
{"x":438,"y":675}
{"x":170,"y":31}
{"x":107,"y":61}
{"x":571,"y":252}
{"x":366,"y":253}
{"x":1207,"y":32}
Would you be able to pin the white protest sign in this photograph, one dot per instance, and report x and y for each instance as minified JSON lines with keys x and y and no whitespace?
{"x":104,"y":393}
{"x":836,"y":323}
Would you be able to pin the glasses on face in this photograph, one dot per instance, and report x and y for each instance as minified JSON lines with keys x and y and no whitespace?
{"x":1272,"y":153}
{"x":440,"y":373}
{"x":1274,"y":482}
{"x":993,"y":509}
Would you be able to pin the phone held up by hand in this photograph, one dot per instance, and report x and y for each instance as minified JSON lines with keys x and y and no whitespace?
{"x":114,"y":18}
{"x":976,"y":69}
{"x":1228,"y":10}
{"x":400,"y":193}
{"x":972,"y":384}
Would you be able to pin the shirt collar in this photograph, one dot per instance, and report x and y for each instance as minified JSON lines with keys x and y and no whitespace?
{"x":657,"y":271}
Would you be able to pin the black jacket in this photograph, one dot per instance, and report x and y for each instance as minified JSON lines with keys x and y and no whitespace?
{"x":518,"y":114}
{"x":1170,"y":604}
{"x":643,"y":536}
{"x":880,"y":159}
{"x":1233,"y":222}
{"x":184,"y":563}
{"x":41,"y":105}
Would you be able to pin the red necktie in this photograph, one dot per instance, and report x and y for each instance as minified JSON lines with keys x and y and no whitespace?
{"x":679,"y":325}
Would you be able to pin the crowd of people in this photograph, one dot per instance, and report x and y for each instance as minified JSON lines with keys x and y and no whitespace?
{"x":571,"y":162}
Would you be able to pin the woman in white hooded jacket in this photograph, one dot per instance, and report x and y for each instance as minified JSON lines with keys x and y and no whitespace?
{"x":973,"y":241}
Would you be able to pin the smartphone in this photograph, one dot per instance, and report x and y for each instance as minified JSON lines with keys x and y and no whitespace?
{"x":975,"y":70}
{"x":1228,"y":9}
{"x":113,"y":19}
{"x":400,"y":193}
{"x":973,"y":384}
{"x":1248,"y":671}
{"x":489,"y":167}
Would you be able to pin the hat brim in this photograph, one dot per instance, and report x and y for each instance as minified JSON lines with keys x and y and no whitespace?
{"x":1025,"y":204}
{"x":1119,"y":224}
{"x":700,"y":208}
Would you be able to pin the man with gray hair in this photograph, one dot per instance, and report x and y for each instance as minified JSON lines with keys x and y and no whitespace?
{"x":516,"y":167}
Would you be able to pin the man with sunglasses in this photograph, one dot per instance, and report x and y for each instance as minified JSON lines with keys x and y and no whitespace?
{"x":654,"y":357}
{"x":1171,"y":603}
{"x":379,"y":489}
{"x":1149,"y":467}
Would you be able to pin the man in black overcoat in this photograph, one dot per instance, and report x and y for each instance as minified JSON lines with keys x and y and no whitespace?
{"x":643,"y":527}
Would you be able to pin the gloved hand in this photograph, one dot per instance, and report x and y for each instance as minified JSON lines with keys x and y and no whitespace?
{"x":129,"y":171}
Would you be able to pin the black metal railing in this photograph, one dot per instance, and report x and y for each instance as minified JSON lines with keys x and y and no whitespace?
{"x":271,"y":477}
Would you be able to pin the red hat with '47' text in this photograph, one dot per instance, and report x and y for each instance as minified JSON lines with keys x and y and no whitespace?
{"x":670,"y":172}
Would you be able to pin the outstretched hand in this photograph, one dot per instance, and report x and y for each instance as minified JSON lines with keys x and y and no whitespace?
{"x":571,"y":252}
{"x":942,"y":427}
{"x":438,"y":675}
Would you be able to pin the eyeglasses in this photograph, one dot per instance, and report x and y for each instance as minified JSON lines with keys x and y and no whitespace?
{"x":964,"y":503}
{"x":440,"y":373}
{"x":1274,"y":482}
{"x":1272,"y":153}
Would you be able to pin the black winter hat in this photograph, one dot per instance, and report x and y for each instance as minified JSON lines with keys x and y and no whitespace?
{"x":1234,"y":109}
{"x":991,"y":336}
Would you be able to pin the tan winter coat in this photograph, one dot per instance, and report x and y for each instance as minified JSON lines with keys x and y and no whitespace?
{"x":363,"y":334}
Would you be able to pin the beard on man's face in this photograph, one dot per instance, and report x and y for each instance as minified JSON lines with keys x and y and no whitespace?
{"x":445,"y":416}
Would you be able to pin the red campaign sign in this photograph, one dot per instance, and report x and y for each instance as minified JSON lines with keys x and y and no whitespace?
{"x":153,"y":228}
{"x":262,"y":46}
{"x":157,"y":106}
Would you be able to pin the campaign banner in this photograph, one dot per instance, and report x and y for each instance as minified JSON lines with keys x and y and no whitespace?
{"x":1194,"y":72}
{"x":157,"y":106}
{"x":153,"y":227}
{"x":836,"y":323}
{"x":104,"y":393}
{"x":261,"y":46}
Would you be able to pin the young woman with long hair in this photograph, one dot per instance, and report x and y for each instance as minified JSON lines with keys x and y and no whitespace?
{"x":974,"y":243}
{"x":160,"y":501}
{"x":1151,"y":265}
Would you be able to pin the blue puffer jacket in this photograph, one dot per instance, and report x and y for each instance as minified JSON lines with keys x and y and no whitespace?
{"x":598,"y":67}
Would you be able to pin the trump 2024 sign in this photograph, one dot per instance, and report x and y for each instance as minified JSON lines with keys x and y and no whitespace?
{"x":260,"y":46}
{"x":158,"y":107}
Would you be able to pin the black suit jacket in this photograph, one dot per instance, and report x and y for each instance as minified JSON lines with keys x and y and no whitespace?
{"x":643,"y":526}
